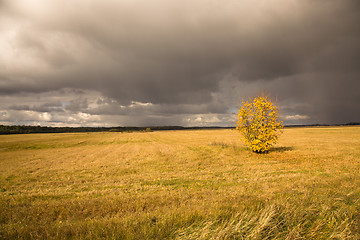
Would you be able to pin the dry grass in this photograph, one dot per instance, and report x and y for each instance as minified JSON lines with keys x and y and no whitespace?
{"x":180,"y":185}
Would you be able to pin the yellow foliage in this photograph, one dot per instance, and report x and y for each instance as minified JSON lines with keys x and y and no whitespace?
{"x":258,"y":124}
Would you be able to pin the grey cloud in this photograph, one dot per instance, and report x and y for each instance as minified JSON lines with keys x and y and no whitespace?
{"x":46,"y":107}
{"x":140,"y":109}
{"x":324,"y":98}
{"x":77,"y":105}
{"x":19,"y":107}
{"x":188,"y":57}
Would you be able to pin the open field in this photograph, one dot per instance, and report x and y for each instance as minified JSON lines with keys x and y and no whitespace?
{"x":201,"y":184}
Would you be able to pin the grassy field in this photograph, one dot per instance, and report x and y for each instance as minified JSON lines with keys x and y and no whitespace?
{"x":202,"y":184}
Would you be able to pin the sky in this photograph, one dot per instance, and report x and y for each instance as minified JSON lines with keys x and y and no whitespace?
{"x":172,"y":62}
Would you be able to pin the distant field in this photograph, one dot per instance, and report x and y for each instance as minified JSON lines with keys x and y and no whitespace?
{"x":202,"y":184}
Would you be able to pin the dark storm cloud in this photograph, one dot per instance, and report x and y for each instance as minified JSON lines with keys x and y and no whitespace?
{"x":166,"y":57}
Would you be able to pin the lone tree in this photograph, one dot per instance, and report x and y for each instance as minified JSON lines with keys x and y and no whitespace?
{"x":258,"y":123}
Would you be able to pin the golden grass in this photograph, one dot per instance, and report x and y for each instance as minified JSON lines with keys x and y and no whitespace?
{"x":202,"y":184}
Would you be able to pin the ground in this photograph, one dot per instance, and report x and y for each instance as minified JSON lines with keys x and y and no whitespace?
{"x":202,"y":184}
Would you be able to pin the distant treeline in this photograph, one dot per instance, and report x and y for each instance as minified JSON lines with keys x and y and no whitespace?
{"x":43,"y":129}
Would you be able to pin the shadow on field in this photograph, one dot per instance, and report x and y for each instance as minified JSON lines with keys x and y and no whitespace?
{"x":281,"y":149}
{"x":239,"y":148}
